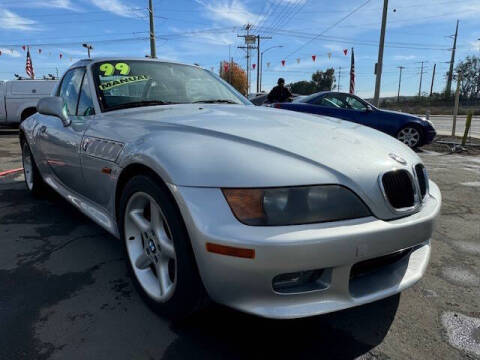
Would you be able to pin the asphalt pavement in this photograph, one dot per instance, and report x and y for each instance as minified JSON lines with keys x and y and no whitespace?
{"x":65,"y":292}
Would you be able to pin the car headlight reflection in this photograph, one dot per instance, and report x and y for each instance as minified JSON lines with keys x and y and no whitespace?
{"x":295,"y":205}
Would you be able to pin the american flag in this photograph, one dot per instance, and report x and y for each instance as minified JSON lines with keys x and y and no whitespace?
{"x":29,"y":65}
{"x":352,"y":74}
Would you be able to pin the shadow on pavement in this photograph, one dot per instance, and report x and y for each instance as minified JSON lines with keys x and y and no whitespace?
{"x":221,"y":333}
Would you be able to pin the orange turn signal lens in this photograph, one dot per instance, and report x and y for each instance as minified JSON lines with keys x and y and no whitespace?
{"x":246,"y":204}
{"x":231,"y":251}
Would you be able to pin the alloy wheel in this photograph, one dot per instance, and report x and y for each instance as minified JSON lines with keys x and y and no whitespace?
{"x":150,"y":246}
{"x":409,"y":136}
{"x":27,"y":166}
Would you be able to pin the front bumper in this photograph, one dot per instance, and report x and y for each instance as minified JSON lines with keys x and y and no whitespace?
{"x":429,"y":136}
{"x":246,"y":284}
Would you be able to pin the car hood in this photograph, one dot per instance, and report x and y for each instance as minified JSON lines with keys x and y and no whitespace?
{"x":248,"y":146}
{"x":340,"y":145}
{"x":399,"y":114}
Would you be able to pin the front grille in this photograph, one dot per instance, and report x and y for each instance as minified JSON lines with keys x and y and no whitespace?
{"x":399,"y":189}
{"x":422,"y":179}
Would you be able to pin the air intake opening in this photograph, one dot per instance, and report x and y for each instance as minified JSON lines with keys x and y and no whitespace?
{"x":302,"y":281}
{"x":422,"y":179}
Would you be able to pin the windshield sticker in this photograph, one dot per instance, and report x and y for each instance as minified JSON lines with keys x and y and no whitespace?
{"x":108,"y":69}
{"x":119,"y":82}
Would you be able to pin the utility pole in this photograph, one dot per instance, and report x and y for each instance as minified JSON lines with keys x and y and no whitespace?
{"x":258,"y":63}
{"x":457,"y":100}
{"x":153,"y":50}
{"x":433,"y":79}
{"x":452,"y":60}
{"x":258,"y":59}
{"x":420,"y":85}
{"x":378,"y":67}
{"x":339,"y":78}
{"x":249,"y":40}
{"x":399,"y":82}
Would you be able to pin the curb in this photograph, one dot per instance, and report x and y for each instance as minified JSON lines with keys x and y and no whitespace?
{"x":8,"y":172}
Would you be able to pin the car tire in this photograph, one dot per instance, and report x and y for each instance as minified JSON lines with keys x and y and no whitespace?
{"x":411,"y":136}
{"x":33,"y":179}
{"x":159,"y":255}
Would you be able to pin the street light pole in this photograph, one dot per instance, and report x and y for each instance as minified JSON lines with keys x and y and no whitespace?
{"x":261,"y":62}
{"x":88,"y":47}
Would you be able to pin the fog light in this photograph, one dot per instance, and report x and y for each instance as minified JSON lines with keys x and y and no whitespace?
{"x":301,"y":281}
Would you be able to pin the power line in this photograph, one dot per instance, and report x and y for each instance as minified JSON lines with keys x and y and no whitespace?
{"x":75,"y":42}
{"x":330,"y":27}
{"x":400,"y":45}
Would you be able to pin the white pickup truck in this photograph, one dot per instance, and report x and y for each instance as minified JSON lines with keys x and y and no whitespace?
{"x":18,"y":98}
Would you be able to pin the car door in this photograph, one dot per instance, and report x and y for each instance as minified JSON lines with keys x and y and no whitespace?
{"x":60,"y":143}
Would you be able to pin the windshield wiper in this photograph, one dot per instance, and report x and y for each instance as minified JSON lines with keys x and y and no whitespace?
{"x":139,"y":103}
{"x":215,"y":101}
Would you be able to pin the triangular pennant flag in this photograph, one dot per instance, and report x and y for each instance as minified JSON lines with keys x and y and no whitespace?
{"x":345,"y":51}
{"x":283,"y":62}
{"x":253,"y":66}
{"x":298,"y":60}
{"x":314,"y":57}
{"x":39,"y":51}
{"x":24,"y":47}
{"x":329,"y":55}
{"x":268,"y":64}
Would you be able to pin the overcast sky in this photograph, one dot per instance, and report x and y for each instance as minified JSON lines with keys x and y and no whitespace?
{"x":204,"y":31}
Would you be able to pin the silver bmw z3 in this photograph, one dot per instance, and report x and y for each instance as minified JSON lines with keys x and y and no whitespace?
{"x":270,"y":212}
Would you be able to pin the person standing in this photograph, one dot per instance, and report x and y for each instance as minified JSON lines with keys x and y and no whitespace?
{"x":279,"y":93}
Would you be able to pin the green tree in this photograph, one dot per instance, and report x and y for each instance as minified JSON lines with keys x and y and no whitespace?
{"x":324,"y":80}
{"x":303,"y":87}
{"x":321,"y":81}
{"x":470,"y":69}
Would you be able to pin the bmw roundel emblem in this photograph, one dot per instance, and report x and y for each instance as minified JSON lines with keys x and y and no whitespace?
{"x":398,"y":159}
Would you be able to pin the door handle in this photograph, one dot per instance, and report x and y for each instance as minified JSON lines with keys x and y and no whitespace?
{"x":42,"y":129}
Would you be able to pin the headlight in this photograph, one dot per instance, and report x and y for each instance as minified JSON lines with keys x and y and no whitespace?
{"x":295,"y":205}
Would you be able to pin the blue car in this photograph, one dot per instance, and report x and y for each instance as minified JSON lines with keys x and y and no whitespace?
{"x":409,"y":129}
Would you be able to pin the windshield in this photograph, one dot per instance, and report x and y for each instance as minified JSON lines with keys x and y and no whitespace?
{"x":130,"y":83}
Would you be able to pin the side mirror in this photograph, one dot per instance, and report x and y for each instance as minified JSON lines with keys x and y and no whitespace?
{"x":54,"y":106}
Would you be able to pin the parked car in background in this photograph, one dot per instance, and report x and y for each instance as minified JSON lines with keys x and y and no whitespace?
{"x":18,"y":98}
{"x":262,"y":98}
{"x":270,"y":212}
{"x":409,"y":129}
{"x":257,"y":94}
